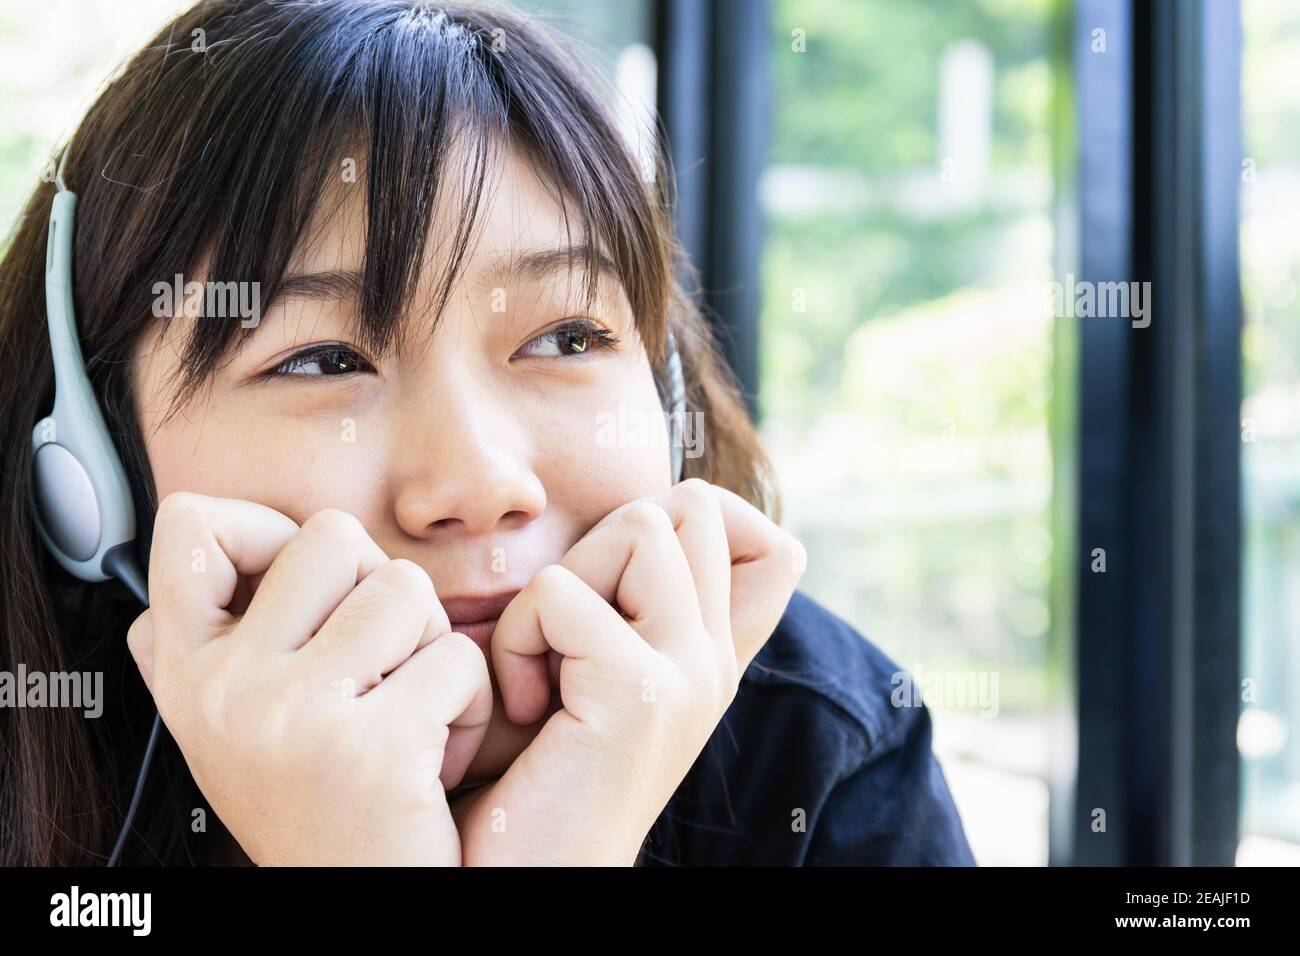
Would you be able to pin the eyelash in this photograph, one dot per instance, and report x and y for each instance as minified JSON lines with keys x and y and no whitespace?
{"x":317,"y":352}
{"x":599,"y":339}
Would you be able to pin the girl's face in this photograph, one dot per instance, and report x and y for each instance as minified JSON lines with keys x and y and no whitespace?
{"x":477,"y":452}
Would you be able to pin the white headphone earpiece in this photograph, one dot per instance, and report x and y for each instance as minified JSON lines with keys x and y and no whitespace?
{"x":84,"y":509}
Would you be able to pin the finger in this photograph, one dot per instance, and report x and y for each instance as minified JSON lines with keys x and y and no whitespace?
{"x":637,"y":563}
{"x":201,"y":547}
{"x":382,"y":622}
{"x":766,"y":564}
{"x":444,"y":684}
{"x":696,"y":514}
{"x":310,"y":577}
{"x":139,"y":640}
{"x":555,"y":610}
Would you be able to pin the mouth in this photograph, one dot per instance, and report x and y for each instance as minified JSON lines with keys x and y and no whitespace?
{"x":480,"y":632}
{"x":476,"y":616}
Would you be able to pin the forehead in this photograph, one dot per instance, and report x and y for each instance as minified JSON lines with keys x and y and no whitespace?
{"x":519,"y":214}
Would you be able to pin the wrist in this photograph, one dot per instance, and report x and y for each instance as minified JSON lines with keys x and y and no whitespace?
{"x":489,"y":837}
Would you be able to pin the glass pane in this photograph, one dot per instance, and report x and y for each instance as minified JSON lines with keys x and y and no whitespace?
{"x":49,"y":74}
{"x":1269,"y":731}
{"x":907,"y":365}
{"x":620,"y":36}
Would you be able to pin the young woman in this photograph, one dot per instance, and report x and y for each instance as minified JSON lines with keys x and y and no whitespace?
{"x":410,"y":603}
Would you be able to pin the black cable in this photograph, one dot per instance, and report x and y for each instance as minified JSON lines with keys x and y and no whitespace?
{"x":139,"y":790}
{"x":120,"y":564}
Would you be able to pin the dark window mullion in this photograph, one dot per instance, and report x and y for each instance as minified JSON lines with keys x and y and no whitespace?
{"x":714,"y":100}
{"x":1159,"y":438}
{"x":1216,"y":688}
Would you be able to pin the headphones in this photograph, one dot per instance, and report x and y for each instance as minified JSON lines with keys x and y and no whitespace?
{"x":83,"y":509}
{"x":85,"y":513}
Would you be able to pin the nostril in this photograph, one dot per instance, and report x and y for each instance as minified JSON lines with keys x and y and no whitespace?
{"x":515,"y":517}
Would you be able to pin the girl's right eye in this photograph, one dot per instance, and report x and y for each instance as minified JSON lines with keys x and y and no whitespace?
{"x":320,"y":360}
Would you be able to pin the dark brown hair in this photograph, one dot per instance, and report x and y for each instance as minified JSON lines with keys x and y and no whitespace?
{"x":212,"y":147}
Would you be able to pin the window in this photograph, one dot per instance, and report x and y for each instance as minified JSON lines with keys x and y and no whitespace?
{"x":1269,"y":730}
{"x":907,"y":364}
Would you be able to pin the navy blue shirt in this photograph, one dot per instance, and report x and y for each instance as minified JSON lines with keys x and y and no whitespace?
{"x":812,"y":765}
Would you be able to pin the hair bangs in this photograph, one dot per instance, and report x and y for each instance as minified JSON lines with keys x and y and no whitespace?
{"x":403,"y":96}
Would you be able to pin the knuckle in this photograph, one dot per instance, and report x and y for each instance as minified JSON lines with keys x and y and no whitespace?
{"x":682,"y":696}
{"x":359,"y":611}
{"x":181,"y":506}
{"x":464,"y":654}
{"x":696,"y":493}
{"x":336,"y":524}
{"x":647,"y":517}
{"x":180,"y":515}
{"x":270,"y":736}
{"x":552,"y":577}
{"x":408,"y":581}
{"x":714,"y":680}
{"x":702,"y":695}
{"x":668,"y":677}
{"x":210,"y":706}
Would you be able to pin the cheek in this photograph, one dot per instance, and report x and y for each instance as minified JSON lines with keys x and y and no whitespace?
{"x":610,"y":451}
{"x":296,"y":467}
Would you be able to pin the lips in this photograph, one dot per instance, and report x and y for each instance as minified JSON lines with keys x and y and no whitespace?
{"x":476,"y":616}
{"x":480,"y":632}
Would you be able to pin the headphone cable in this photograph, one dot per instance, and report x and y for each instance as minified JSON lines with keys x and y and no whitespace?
{"x":119,"y":563}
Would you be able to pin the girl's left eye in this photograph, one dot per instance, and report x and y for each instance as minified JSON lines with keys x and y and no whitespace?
{"x":322,"y":360}
{"x":572,"y":338}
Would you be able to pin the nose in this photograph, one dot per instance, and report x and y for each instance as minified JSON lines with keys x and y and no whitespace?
{"x":466,"y":457}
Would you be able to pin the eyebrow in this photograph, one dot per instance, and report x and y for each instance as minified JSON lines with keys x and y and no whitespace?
{"x":344,"y":285}
{"x":541,"y":263}
{"x":332,"y":285}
